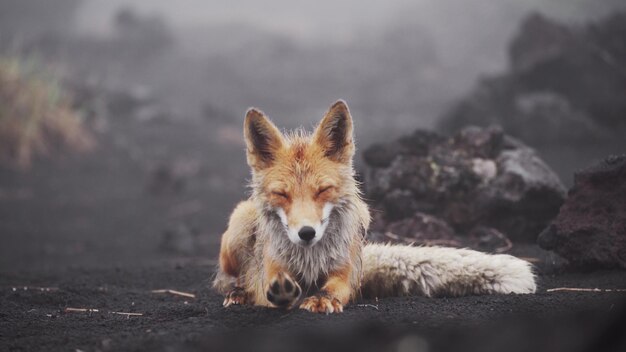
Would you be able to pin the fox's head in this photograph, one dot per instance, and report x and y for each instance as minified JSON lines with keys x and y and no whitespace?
{"x":302,"y":178}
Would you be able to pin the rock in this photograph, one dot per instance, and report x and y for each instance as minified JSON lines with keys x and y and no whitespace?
{"x":554,"y":118}
{"x":566,"y":86}
{"x":590,"y":229}
{"x":479,"y":142}
{"x":427,"y":230}
{"x":524,"y":196}
{"x":422,"y":228}
{"x":488,"y":239}
{"x":417,"y":144}
{"x":400,"y":203}
{"x":381,"y":155}
{"x":539,"y":40}
{"x":478,"y":177}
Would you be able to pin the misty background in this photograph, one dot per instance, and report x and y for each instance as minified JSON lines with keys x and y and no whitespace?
{"x":164,"y":86}
{"x":398,"y":63}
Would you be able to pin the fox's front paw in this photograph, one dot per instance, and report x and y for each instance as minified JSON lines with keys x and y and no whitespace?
{"x":283,"y":291}
{"x":236,"y":296}
{"x":322,"y":303}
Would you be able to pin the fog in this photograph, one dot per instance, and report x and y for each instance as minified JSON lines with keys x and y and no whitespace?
{"x":457,"y":41}
{"x":400,"y":64}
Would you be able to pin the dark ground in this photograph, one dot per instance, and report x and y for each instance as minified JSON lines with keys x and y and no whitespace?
{"x":91,"y":227}
{"x":35,"y":320}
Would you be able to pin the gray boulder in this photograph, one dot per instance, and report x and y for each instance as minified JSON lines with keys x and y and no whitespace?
{"x":478,"y":177}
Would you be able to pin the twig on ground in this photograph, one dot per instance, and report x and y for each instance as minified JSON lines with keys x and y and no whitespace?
{"x":174,"y":292}
{"x":91,"y":310}
{"x":580,"y":289}
{"x":128,"y":315}
{"x":530,"y":259}
{"x":80,"y":310}
{"x":367,"y":306}
{"x":35,"y":288}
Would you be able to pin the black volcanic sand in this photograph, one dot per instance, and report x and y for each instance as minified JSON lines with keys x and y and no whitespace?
{"x":36,"y":320}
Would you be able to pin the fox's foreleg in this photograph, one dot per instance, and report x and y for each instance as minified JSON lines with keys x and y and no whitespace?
{"x":279,"y":289}
{"x":335,"y":293}
{"x":229,"y":279}
{"x":235,"y":252}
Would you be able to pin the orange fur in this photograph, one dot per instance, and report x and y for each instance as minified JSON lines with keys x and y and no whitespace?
{"x":228,"y":262}
{"x":298,"y":180}
{"x":338,"y":284}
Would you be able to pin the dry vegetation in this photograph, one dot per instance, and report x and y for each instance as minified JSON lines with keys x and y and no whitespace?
{"x":36,"y":115}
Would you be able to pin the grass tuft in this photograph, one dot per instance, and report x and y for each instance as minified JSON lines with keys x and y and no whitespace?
{"x":36,"y":115}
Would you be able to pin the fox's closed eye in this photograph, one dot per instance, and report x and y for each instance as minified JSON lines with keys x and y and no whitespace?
{"x":281,"y":194}
{"x":324,"y":189}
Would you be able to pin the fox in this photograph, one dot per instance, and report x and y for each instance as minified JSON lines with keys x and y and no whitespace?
{"x":299,"y":240}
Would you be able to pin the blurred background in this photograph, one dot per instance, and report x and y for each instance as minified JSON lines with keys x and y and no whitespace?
{"x":128,"y":147}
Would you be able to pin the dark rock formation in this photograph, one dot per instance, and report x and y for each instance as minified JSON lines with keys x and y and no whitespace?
{"x":427,"y":185}
{"x":420,"y":228}
{"x":565,"y":85}
{"x":590,"y":229}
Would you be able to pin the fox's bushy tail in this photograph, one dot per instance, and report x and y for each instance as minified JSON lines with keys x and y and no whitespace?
{"x":392,"y":270}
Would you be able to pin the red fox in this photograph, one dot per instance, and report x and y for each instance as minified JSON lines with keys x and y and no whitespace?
{"x":299,"y":240}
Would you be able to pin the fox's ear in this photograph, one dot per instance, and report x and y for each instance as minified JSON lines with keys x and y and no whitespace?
{"x":334,"y":133}
{"x":263,"y":139}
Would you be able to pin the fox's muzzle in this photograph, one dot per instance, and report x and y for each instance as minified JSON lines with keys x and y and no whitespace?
{"x":305,"y":232}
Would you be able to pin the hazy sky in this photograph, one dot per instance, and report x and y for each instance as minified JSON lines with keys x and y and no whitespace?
{"x":307,"y":19}
{"x":461,"y":28}
{"x":469,"y":38}
{"x":311,"y":18}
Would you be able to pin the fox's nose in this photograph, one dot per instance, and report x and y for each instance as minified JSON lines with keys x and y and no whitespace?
{"x":306,"y":233}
